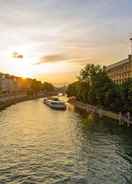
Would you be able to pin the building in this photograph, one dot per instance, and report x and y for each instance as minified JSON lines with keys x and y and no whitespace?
{"x":7,"y":83}
{"x":120,"y":71}
{"x":10,"y":84}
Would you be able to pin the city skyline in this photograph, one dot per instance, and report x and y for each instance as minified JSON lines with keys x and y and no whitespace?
{"x":53,"y":39}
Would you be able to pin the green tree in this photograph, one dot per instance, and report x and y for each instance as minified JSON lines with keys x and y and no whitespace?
{"x":72,"y":89}
{"x":96,"y":88}
{"x":48,"y":87}
{"x":126,"y":94}
{"x":35,"y":86}
{"x":89,"y":72}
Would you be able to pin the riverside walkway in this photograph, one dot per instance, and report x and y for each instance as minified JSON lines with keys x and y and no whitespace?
{"x":12,"y":97}
{"x":8,"y":100}
{"x":93,"y":109}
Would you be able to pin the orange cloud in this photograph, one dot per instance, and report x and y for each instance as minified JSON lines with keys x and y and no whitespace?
{"x":52,"y":58}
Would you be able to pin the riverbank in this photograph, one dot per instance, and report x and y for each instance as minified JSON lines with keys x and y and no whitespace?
{"x":101,"y":112}
{"x":10,"y":100}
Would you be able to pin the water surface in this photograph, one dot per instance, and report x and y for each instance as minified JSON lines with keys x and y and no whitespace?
{"x":41,"y":145}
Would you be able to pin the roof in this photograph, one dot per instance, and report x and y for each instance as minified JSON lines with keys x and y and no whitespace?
{"x":117,"y":64}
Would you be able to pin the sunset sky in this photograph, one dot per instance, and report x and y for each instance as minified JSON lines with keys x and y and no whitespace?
{"x":53,"y":39}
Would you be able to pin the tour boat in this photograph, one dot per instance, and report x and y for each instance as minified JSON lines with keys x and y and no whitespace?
{"x":55,"y":103}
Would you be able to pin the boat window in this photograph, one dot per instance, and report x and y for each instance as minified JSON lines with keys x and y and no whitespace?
{"x":57,"y":103}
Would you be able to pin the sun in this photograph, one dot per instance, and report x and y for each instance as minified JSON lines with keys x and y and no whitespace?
{"x":20,"y":68}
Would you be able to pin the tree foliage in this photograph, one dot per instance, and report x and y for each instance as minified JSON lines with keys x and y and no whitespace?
{"x":48,"y":87}
{"x":96,"y":88}
{"x":37,"y":86}
{"x":126,"y":95}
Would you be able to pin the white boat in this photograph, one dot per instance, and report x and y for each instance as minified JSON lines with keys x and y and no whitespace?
{"x":55,"y":103}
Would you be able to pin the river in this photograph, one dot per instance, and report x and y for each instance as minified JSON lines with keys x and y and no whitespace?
{"x":41,"y":145}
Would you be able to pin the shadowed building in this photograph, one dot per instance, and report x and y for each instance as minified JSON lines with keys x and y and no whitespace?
{"x":122,"y":70}
{"x":10,"y":84}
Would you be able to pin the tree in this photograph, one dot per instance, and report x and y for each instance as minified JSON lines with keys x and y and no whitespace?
{"x":96,"y":88}
{"x":48,"y":87}
{"x":72,"y":89}
{"x":126,"y":95}
{"x":35,"y":86}
{"x":101,"y":88}
{"x":89,"y":72}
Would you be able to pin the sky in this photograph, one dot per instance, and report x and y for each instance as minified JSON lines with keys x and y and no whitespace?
{"x":51,"y":40}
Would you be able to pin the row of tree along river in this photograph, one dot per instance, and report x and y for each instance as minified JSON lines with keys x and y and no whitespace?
{"x":95,"y":88}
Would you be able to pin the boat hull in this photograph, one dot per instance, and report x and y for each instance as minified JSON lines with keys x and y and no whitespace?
{"x":57,"y":105}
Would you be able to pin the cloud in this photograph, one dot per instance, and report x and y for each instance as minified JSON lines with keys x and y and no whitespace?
{"x":17,"y":55}
{"x":67,"y":58}
{"x":79,"y":60}
{"x":52,"y":58}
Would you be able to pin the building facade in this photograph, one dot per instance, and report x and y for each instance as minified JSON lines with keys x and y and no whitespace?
{"x":120,"y":71}
{"x":10,"y":84}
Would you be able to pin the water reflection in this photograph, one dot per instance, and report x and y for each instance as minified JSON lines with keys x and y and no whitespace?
{"x":39,"y":145}
{"x":110,"y":153}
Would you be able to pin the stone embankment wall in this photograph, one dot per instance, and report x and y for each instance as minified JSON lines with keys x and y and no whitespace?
{"x":93,"y":109}
{"x":6,"y":101}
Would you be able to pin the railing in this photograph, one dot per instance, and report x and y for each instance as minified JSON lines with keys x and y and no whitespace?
{"x":6,"y":101}
{"x":11,"y":97}
{"x":101,"y":112}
